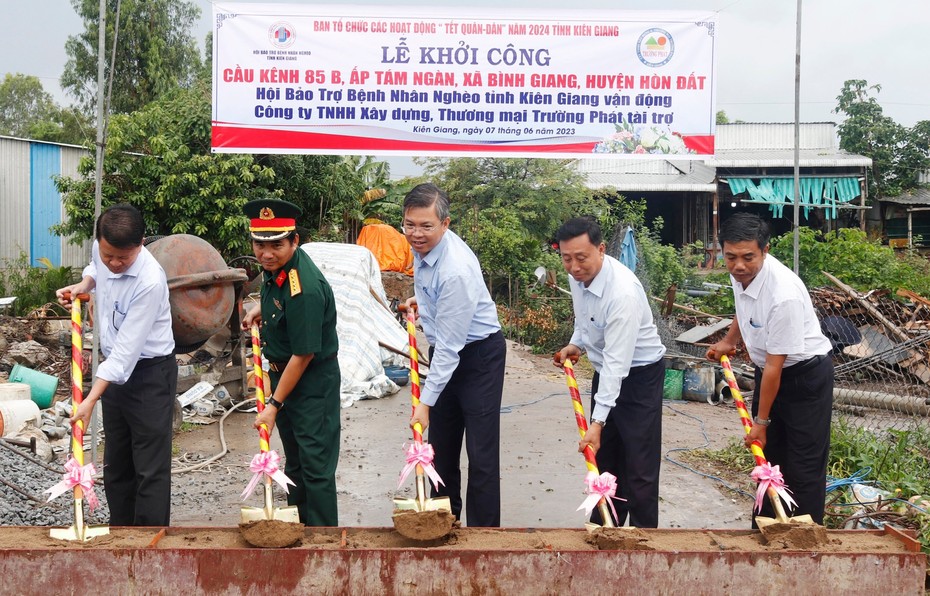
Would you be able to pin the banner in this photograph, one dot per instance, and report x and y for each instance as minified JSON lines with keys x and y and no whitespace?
{"x":376,"y":80}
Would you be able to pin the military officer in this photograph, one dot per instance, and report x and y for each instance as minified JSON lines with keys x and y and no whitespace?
{"x":298,"y":330}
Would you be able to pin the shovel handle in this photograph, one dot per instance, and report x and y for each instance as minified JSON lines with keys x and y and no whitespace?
{"x":755,"y":447}
{"x":581,"y":421}
{"x":77,"y":383}
{"x":258,"y":375}
{"x":414,"y":368}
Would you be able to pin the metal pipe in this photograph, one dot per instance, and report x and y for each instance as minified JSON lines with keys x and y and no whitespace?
{"x":901,"y":404}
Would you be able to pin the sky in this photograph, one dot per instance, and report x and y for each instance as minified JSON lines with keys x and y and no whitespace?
{"x":886,"y":44}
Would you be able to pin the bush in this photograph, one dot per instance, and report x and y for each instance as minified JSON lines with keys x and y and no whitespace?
{"x":34,"y":287}
{"x":849,"y":255}
{"x":545,"y":325}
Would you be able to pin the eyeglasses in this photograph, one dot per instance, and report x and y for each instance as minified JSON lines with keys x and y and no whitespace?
{"x":425,"y":229}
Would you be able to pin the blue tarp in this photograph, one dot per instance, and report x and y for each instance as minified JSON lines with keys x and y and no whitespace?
{"x":823,"y":192}
{"x":628,"y":250}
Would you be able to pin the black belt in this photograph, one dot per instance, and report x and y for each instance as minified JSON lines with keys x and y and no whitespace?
{"x":279,"y":367}
{"x":804,"y":366}
{"x":147,"y":362}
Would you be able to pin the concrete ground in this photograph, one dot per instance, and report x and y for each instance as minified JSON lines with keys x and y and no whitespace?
{"x":542,"y":472}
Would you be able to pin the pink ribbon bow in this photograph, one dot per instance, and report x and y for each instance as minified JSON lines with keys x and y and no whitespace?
{"x":76,"y":475}
{"x":266,"y":463}
{"x":600,"y":487}
{"x":422,"y":454}
{"x":768,"y":476}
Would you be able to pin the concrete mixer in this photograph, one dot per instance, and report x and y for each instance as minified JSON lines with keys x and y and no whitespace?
{"x":205,"y":303}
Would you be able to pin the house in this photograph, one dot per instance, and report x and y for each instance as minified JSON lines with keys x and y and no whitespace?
{"x":906,"y":217}
{"x":752,"y":170}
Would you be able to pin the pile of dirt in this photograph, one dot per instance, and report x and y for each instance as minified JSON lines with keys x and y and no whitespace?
{"x":463,"y":539}
{"x":423,"y":525}
{"x":271,"y":533}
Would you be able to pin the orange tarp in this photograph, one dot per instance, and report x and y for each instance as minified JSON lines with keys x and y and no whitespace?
{"x":389,"y":246}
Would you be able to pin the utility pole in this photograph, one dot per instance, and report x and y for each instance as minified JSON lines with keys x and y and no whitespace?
{"x":797,"y":136}
{"x":98,"y":193}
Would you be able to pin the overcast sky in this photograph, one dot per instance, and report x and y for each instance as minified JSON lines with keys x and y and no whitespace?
{"x":885,"y":43}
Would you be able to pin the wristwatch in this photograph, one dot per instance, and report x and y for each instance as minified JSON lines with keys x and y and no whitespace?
{"x":762,"y":421}
{"x":600,"y":422}
{"x":270,"y":401}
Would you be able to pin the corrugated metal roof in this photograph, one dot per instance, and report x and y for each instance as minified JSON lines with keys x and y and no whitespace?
{"x":760,"y":136}
{"x":784,"y":158}
{"x":647,"y":175}
{"x":916,"y":196}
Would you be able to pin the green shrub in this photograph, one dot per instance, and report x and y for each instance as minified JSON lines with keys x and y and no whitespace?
{"x":34,"y":287}
{"x":849,"y":255}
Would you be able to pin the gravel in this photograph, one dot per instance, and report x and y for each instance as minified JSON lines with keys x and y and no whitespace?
{"x":18,"y":510}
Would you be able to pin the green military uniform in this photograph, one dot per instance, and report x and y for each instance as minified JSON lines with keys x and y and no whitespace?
{"x":299,"y":317}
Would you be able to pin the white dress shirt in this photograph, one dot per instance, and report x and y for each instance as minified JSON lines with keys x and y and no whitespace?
{"x":613,"y":323}
{"x":776,"y":316}
{"x":132,"y":314}
{"x":454,"y":305}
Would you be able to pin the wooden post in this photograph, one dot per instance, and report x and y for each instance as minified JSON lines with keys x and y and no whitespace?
{"x":862,"y":214}
{"x":716,"y":224}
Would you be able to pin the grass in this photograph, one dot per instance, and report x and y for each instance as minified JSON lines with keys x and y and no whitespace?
{"x":896,"y":461}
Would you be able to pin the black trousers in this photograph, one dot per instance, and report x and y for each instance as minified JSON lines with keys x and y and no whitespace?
{"x":798,"y":439}
{"x":631,"y":445}
{"x":137,"y":420}
{"x":470,"y":406}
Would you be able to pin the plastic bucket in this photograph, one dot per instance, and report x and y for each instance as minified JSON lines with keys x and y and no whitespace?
{"x":13,"y":414}
{"x":698,"y":384}
{"x":15,"y":391}
{"x":671,"y":387}
{"x":43,"y":385}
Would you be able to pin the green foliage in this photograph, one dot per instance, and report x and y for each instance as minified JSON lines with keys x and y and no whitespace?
{"x":155,"y":52}
{"x":543,"y":323}
{"x":541,"y":193}
{"x":159,"y":160}
{"x":719,"y":302}
{"x":897,"y":458}
{"x":34,"y":287}
{"x":898,"y":153}
{"x":662,"y":263}
{"x":849,"y":255}
{"x":23,"y":103}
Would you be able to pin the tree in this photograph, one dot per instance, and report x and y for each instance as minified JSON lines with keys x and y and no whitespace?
{"x":898,"y":154}
{"x":159,"y":159}
{"x":23,"y":103}
{"x":722,"y":117}
{"x":507,"y":209}
{"x":155,"y":52}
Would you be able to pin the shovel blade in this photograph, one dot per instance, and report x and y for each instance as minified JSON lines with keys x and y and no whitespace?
{"x":434,"y":504}
{"x":287,"y":514}
{"x":763,"y":522}
{"x":79,"y":534}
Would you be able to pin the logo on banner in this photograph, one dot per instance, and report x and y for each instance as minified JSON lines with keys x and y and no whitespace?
{"x":655,"y":47}
{"x":282,"y":34}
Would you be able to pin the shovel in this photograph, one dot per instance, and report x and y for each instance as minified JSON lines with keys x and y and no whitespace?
{"x":589,"y":458}
{"x":775,"y":490}
{"x":435,"y":513}
{"x":265,"y":463}
{"x":78,"y":476}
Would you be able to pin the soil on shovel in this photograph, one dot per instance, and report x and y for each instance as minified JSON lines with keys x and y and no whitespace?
{"x":619,"y":539}
{"x":794,"y":536}
{"x":271,"y":533}
{"x":423,"y":525}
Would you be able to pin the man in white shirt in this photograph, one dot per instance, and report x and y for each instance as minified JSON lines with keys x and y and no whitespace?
{"x":461,"y":398}
{"x":793,"y":400}
{"x":613,"y":323}
{"x":137,"y":381}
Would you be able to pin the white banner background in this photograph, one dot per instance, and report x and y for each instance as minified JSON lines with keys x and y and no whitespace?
{"x":413,"y":81}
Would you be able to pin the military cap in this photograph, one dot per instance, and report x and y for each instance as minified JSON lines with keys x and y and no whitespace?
{"x":271,"y":219}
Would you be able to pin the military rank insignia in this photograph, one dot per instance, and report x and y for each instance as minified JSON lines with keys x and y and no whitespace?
{"x":294,"y":280}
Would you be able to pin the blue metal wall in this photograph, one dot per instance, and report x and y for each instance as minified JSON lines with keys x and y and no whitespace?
{"x":45,"y":202}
